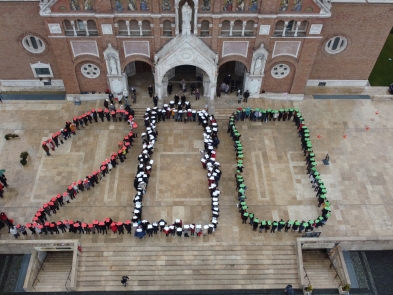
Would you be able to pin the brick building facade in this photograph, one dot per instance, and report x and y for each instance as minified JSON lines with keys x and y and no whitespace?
{"x":304,"y":42}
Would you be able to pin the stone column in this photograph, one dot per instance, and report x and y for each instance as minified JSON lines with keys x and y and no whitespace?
{"x":177,"y":19}
{"x":159,"y":94}
{"x":73,"y":27}
{"x":165,"y":86}
{"x":230,"y":28}
{"x":211,"y":101}
{"x":125,"y":80}
{"x":86,"y":29}
{"x":206,"y":85}
{"x":196,"y":17}
{"x":244,"y":27}
{"x":128,"y":27}
{"x":140,"y":28}
{"x":285,"y":27}
{"x":297,"y":28}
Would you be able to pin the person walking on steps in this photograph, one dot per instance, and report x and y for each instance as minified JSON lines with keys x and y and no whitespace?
{"x":124,"y":281}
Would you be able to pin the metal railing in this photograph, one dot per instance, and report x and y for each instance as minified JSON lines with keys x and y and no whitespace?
{"x":68,"y":279}
{"x":41,"y":268}
{"x":306,"y":276}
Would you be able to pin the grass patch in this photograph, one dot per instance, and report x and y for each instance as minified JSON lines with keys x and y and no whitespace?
{"x":382,"y":73}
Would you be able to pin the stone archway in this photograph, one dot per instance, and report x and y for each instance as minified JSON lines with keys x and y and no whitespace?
{"x":186,"y":49}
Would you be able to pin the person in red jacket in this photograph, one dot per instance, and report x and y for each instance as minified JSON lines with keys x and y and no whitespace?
{"x":114,"y":227}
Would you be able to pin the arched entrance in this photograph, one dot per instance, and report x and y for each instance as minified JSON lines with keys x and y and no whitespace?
{"x":139,"y":74}
{"x":186,"y":49}
{"x":185,"y":79}
{"x":232,"y":74}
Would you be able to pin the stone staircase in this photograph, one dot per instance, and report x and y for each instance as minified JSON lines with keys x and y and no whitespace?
{"x":54,"y":273}
{"x":317,"y":266}
{"x":191,"y":267}
{"x":220,"y":113}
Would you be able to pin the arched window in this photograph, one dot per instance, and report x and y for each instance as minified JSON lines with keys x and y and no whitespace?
{"x":249,"y":29}
{"x":146,"y":29}
{"x":123,"y":31}
{"x":237,"y":28}
{"x":302,"y":30}
{"x":225,"y":28}
{"x":134,"y":28}
{"x":68,"y":29}
{"x":279,"y":28}
{"x":80,"y":28}
{"x":290,"y":28}
{"x":92,"y":28}
{"x":167,"y":28}
{"x":205,"y":28}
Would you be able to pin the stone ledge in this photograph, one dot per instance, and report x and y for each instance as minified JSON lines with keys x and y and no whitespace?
{"x":382,"y":97}
{"x":280,"y":96}
{"x":86,"y":97}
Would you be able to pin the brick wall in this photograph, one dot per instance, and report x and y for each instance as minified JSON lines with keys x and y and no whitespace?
{"x":18,"y":19}
{"x":366,"y":27}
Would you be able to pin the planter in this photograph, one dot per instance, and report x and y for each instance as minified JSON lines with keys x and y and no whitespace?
{"x":342,"y":292}
{"x":23,"y":157}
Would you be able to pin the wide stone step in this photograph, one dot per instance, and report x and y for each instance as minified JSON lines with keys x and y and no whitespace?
{"x":212,"y":262}
{"x":86,"y":274}
{"x":195,"y":277}
{"x":199,"y":286}
{"x":188,"y":281}
{"x":98,"y":266}
{"x":178,"y":248}
{"x":187,"y":253}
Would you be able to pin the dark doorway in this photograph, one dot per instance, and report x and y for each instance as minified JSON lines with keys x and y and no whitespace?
{"x":139,"y":75}
{"x":236,"y":71}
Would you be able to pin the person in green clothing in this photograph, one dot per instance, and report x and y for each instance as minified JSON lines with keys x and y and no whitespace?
{"x":281,"y":225}
{"x":295,"y":226}
{"x":274,"y":227}
{"x":302,"y":226}
{"x":244,"y":218}
{"x":255,"y":224}
{"x":268,"y":225}
{"x":288,"y":225}
{"x":251,"y":217}
{"x":262,"y":226}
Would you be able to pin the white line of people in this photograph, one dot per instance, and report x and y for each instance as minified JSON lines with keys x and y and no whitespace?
{"x":141,"y":180}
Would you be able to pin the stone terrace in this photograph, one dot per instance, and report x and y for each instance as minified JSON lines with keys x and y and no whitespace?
{"x":357,"y":180}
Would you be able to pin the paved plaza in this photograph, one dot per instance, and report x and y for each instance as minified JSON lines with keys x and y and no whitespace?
{"x":357,"y":179}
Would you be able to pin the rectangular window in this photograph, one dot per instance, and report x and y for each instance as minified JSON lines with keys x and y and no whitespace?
{"x":42,"y":71}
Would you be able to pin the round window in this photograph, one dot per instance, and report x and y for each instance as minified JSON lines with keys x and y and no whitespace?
{"x":90,"y":71}
{"x":280,"y":71}
{"x":336,"y":45}
{"x":33,"y":44}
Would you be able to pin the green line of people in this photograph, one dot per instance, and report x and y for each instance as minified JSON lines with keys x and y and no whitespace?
{"x":318,"y":185}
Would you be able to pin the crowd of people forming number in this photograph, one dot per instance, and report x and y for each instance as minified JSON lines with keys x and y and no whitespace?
{"x":40,"y":223}
{"x":265,"y":225}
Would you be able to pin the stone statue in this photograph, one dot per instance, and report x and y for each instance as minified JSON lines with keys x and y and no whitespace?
{"x":258,"y":66}
{"x":216,"y":58}
{"x":186,"y":13}
{"x":155,"y":58}
{"x":113,"y":66}
{"x":125,"y":93}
